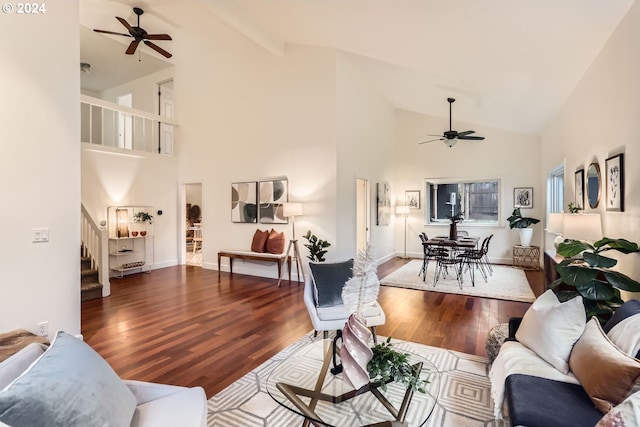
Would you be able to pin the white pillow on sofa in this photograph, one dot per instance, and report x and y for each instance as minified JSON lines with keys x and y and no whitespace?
{"x":551,"y":328}
{"x":626,"y":335}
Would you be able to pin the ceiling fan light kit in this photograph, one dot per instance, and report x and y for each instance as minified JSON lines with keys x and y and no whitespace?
{"x":450,"y":137}
{"x":139,"y":34}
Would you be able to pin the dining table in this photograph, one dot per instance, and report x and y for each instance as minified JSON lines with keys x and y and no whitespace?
{"x":461,"y":243}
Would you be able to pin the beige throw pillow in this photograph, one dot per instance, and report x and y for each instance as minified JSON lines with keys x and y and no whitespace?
{"x":606,"y":373}
{"x":550,"y":328}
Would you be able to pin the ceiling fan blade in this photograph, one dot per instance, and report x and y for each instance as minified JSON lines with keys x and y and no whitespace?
{"x":431,"y":140}
{"x":158,"y":37}
{"x":466,"y":132}
{"x":132,"y":47}
{"x":112,"y":32}
{"x":473,"y":138}
{"x":158,"y":49}
{"x":125,"y":23}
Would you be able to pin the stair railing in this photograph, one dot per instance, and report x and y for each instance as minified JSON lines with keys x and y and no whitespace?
{"x":95,"y":244}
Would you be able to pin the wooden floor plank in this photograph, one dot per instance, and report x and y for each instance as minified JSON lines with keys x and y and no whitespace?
{"x":181,"y":325}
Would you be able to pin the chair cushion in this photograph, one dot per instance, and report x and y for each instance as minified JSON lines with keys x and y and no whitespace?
{"x":70,"y":385}
{"x":275,"y":242}
{"x":541,"y":402}
{"x":328,"y":280}
{"x":606,"y":373}
{"x":259,"y":241}
{"x":551,"y":328}
{"x":187,"y":407}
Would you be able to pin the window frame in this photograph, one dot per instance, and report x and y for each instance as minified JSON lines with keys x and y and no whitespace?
{"x":459,"y":181}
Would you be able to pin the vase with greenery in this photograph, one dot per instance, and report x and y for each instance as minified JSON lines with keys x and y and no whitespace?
{"x":523,"y":224}
{"x":453,"y":226}
{"x":317,"y":247}
{"x":587,"y":272}
{"x":388,"y":364}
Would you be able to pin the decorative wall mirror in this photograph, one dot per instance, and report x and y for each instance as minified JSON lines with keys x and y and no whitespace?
{"x":593,"y":185}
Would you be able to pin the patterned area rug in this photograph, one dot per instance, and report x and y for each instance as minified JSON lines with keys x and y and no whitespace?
{"x":506,"y":282}
{"x":464,"y":399}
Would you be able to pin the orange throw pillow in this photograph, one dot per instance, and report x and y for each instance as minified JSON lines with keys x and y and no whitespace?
{"x":275,"y":242}
{"x":259,"y":241}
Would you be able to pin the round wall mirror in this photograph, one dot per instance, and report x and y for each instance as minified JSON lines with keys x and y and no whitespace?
{"x":593,"y":185}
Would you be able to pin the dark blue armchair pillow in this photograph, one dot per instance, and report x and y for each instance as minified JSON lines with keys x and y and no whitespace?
{"x":328,"y":281}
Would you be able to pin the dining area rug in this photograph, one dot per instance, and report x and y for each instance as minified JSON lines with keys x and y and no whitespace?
{"x":464,"y":399}
{"x":506,"y":282}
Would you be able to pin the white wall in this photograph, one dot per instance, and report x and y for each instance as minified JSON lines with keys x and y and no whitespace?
{"x":366,"y":138}
{"x":512,"y":158}
{"x":40,"y":169}
{"x":247,"y":115}
{"x":144,"y":91}
{"x":599,"y":120}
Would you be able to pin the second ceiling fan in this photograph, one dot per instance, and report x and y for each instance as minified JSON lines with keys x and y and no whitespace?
{"x":139,"y":34}
{"x":451,"y":137}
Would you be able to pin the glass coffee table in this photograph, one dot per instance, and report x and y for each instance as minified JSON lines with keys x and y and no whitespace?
{"x":304,"y":384}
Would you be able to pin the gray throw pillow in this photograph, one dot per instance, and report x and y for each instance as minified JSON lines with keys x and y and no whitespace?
{"x":328,"y":281}
{"x":70,"y":385}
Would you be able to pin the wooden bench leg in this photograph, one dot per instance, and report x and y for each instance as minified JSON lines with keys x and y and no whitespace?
{"x":219,"y":266}
{"x":230,"y":265}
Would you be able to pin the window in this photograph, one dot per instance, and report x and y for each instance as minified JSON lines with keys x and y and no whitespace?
{"x":478,"y":201}
{"x":555,"y":190}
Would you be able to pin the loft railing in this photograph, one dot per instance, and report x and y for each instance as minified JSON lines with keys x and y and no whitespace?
{"x":111,"y":125}
{"x":95,"y":241}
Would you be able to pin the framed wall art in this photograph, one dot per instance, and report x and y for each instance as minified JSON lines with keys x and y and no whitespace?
{"x":244,"y":206}
{"x":412,"y":199}
{"x":271,"y":197}
{"x":579,"y":182}
{"x":614,"y":168}
{"x":383,"y":196}
{"x":523,"y":197}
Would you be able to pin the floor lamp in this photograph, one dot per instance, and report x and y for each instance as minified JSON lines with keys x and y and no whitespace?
{"x":404,"y":211}
{"x":292,"y":210}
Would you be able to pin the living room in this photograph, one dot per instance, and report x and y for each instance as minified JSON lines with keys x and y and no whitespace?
{"x":326,"y":117}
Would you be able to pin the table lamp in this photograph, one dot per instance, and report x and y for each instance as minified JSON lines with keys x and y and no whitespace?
{"x":555,"y":223}
{"x":586,"y":227}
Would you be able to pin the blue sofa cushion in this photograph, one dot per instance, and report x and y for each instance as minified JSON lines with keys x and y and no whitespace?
{"x":540,"y":402}
{"x":328,"y":280}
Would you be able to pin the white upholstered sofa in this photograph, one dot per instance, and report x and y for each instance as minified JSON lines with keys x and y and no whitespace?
{"x":69,"y":384}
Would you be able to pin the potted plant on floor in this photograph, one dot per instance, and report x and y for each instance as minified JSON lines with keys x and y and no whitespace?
{"x":523,"y":224}
{"x":587,"y":272}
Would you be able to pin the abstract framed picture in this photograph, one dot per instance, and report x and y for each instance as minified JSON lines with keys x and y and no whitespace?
{"x":272,"y":195}
{"x":523,"y":197}
{"x":412,"y":199}
{"x":579,"y":182}
{"x":244,"y":206}
{"x":614,"y":177}
{"x":383,"y":201}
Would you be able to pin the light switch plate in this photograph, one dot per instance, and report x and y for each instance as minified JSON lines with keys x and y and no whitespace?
{"x":40,"y":235}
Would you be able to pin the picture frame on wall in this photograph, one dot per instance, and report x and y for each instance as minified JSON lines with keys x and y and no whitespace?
{"x":272,"y":195}
{"x":412,"y":199}
{"x":383,"y":202}
{"x":244,"y":206}
{"x":614,"y":177}
{"x":579,"y":185}
{"x":523,"y":197}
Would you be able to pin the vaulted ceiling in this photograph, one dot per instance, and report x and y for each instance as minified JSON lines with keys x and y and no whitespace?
{"x":510,"y":64}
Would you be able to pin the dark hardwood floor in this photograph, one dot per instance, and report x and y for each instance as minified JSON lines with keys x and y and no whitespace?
{"x":181,"y":325}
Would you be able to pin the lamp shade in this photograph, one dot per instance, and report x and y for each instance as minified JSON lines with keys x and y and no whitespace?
{"x":582,"y":227}
{"x":292,"y":209}
{"x":555,"y":222}
{"x":402,"y":210}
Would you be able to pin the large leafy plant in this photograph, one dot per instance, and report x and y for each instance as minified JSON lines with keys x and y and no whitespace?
{"x":516,"y":220}
{"x":317,"y":247}
{"x":587,"y":272}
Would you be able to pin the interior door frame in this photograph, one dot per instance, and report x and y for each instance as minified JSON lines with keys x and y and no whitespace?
{"x":363,"y":213}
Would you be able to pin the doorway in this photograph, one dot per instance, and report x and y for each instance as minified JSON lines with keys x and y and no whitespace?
{"x":194,"y":241}
{"x":165,"y":109}
{"x":363,"y":207}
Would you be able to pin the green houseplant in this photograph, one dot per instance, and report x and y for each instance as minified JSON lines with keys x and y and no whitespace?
{"x":317,"y":247}
{"x":389,"y":365}
{"x":523,"y":224}
{"x":587,"y":272}
{"x":142,"y":216}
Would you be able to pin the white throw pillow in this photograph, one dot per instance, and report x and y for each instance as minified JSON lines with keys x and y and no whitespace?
{"x":626,"y":335}
{"x":551,"y":328}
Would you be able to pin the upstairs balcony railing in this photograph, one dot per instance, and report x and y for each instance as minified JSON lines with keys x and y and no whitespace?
{"x":111,"y":125}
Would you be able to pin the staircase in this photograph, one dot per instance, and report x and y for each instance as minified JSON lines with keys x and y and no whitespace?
{"x":89,"y":284}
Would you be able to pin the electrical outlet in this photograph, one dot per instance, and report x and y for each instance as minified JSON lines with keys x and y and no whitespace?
{"x":43,"y":329}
